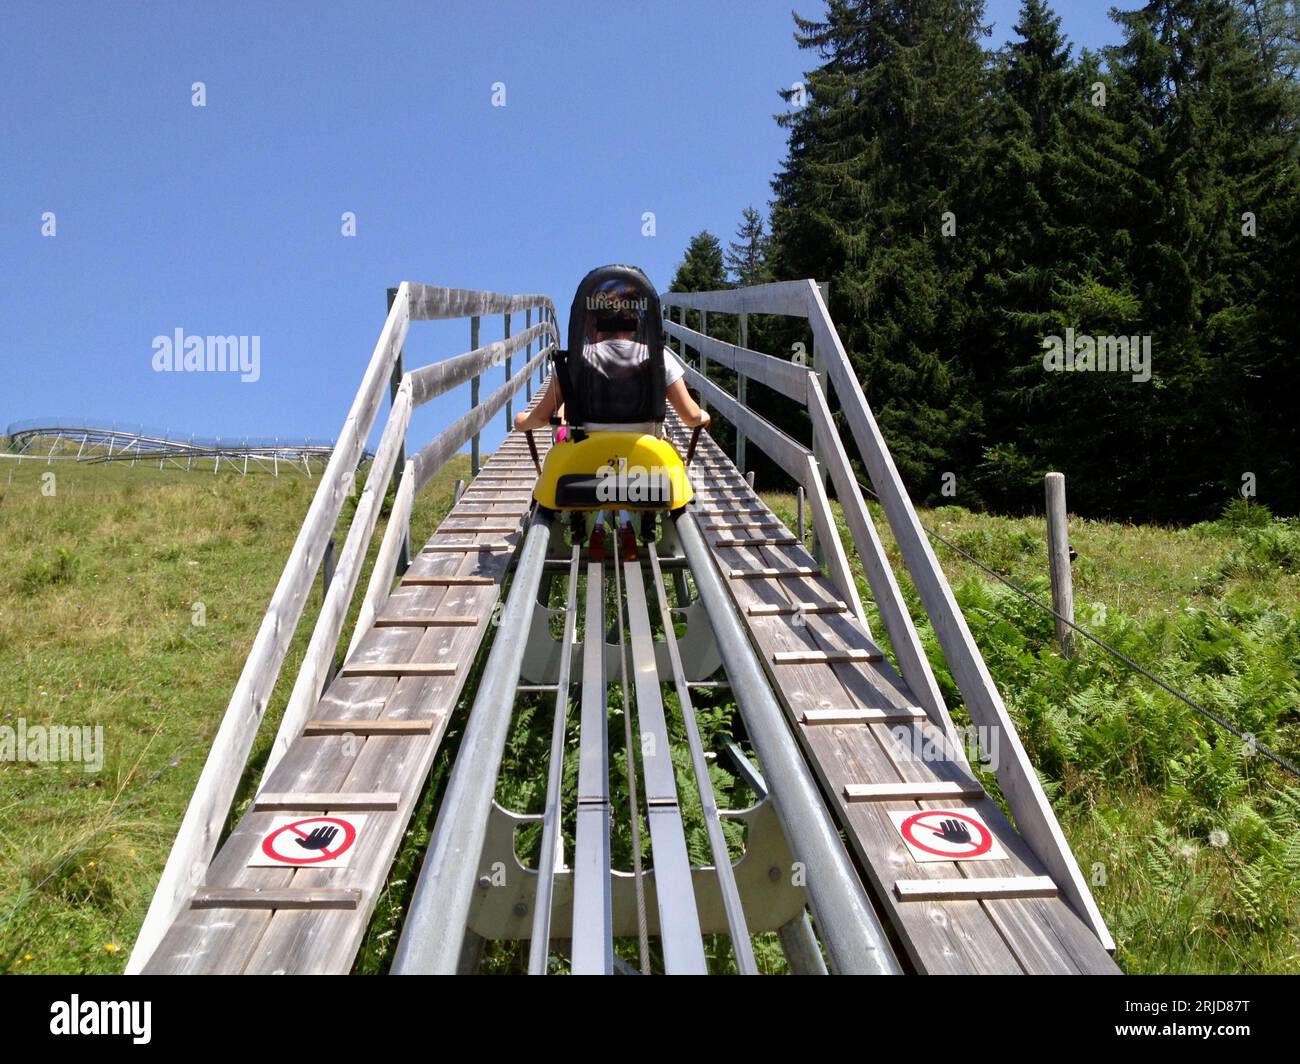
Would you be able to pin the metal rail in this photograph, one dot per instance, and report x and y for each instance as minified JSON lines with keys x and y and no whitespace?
{"x":854,"y":938}
{"x":540,"y":945}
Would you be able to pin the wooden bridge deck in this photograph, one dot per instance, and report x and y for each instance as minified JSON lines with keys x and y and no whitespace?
{"x":368,"y":749}
{"x":808,"y":652}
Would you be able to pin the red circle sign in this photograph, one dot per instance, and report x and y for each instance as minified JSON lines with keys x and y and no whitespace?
{"x":912,"y":825}
{"x":324,"y":854}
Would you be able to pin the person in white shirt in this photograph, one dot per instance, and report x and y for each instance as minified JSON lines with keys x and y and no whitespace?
{"x":617,"y":354}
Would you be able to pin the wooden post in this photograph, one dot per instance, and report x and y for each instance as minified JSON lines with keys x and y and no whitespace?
{"x":742,"y":394}
{"x":1058,"y":553}
{"x":473,"y":396}
{"x":404,"y":555}
{"x":326,"y":578}
{"x":510,"y":403}
{"x":704,"y":358}
{"x":819,"y":368}
{"x":528,"y":357}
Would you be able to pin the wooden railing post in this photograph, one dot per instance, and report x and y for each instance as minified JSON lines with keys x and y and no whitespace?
{"x":473,"y":396}
{"x":510,"y":404}
{"x":1058,"y":553}
{"x":819,"y":368}
{"x":528,"y":357}
{"x":404,"y":554}
{"x":704,"y":358}
{"x":742,"y":392}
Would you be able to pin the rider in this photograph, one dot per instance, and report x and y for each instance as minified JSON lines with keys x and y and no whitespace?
{"x":614,"y":353}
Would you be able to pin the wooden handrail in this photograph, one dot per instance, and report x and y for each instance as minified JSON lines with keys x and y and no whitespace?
{"x":209,"y":805}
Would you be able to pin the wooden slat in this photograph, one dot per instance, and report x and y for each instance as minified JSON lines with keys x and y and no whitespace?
{"x":368,"y":727}
{"x":910,"y":792}
{"x":824,"y":657}
{"x":893,"y":715}
{"x":399,"y":668}
{"x":771,"y":573}
{"x":448,"y":580}
{"x":769,"y":541}
{"x":465,"y":548}
{"x":274,"y":898}
{"x":331,"y":801}
{"x":780,"y":609}
{"x":975,"y":889}
{"x":448,"y":621}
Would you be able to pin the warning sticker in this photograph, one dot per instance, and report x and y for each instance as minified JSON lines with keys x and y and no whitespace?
{"x":314,"y":841}
{"x":947,"y":835}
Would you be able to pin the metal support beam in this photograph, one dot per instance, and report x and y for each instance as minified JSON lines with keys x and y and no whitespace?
{"x":854,"y":938}
{"x":434,"y":932}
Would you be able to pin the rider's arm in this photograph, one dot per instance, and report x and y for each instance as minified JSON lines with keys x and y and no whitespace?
{"x":687,"y":408}
{"x":540,"y":415}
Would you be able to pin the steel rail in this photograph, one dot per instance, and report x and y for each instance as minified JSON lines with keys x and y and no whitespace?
{"x":430,"y":943}
{"x":854,"y":938}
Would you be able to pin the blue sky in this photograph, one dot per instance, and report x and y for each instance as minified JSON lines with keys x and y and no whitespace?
{"x":226,"y":219}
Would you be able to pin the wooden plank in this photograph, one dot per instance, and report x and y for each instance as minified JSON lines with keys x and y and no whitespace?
{"x":464,"y":548}
{"x":756,"y":541}
{"x":447,"y":580}
{"x":779,"y":297}
{"x":857,"y":715}
{"x":978,"y":889}
{"x":273,"y":898}
{"x":331,"y":801}
{"x":774,"y":609}
{"x":910,"y":792}
{"x":399,"y":668}
{"x":447,"y":621}
{"x":209,"y":805}
{"x":367,"y":727}
{"x":772,"y":573}
{"x":431,"y":302}
{"x":824,"y":657}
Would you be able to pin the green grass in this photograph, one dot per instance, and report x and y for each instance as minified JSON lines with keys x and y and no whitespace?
{"x":98,"y":586}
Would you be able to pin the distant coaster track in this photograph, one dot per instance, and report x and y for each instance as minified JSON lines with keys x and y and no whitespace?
{"x":51,"y":440}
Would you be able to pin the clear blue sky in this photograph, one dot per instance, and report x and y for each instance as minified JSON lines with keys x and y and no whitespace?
{"x":225,"y":219}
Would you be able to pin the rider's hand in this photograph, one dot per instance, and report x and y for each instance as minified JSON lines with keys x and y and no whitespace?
{"x":521,"y":420}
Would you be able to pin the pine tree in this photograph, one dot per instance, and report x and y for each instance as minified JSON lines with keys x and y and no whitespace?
{"x":880,"y":168}
{"x":746,"y":257}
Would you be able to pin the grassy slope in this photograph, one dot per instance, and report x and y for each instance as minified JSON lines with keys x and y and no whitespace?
{"x":96,"y":593}
{"x":97,"y":590}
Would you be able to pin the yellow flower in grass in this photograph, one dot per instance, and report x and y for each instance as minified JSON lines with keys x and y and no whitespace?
{"x":111,"y":947}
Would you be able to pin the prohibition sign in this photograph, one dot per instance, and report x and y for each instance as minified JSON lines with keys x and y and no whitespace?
{"x":308,"y":841}
{"x":947,"y":835}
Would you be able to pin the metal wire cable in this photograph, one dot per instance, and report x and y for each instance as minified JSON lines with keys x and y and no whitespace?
{"x":1223,"y":722}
